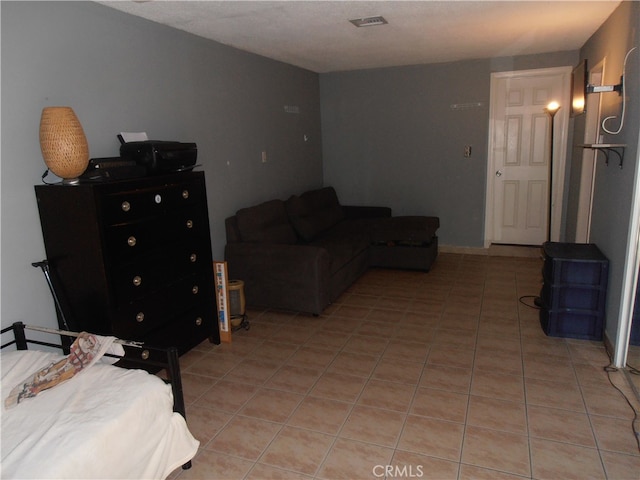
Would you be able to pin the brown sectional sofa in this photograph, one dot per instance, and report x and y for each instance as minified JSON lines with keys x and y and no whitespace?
{"x":302,"y":253}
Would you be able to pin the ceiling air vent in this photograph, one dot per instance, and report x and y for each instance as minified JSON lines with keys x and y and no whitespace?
{"x":369,"y":21}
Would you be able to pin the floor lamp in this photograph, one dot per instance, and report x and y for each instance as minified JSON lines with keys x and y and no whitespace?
{"x":551,"y":110}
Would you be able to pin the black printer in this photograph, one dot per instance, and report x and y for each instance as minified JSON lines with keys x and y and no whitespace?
{"x":159,"y":156}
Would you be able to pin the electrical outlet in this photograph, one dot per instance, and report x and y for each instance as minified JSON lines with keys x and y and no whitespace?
{"x":264,"y":156}
{"x":467,"y":151}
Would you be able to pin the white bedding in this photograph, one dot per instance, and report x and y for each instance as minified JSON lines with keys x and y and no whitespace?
{"x":106,"y":422}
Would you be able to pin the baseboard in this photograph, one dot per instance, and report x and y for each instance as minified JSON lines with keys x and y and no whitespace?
{"x":494,"y":250}
{"x":463,"y":250}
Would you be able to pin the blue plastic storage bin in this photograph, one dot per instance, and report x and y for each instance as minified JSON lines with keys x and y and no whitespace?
{"x":574,"y":291}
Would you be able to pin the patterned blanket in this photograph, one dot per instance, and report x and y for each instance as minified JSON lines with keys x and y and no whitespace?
{"x":84,"y":352}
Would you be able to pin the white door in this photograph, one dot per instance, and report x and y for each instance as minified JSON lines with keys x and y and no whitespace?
{"x":519,"y":154}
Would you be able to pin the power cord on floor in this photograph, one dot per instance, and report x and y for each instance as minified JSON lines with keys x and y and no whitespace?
{"x":635,"y":427}
{"x":524,"y":297}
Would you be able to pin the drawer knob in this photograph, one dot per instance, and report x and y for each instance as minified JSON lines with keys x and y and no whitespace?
{"x":189,"y":223}
{"x":126,"y":206}
{"x":157,"y":198}
{"x":185,"y":194}
{"x":193,"y":257}
{"x":137,"y":280}
{"x":140,"y":317}
{"x":131,"y":241}
{"x":145,"y":354}
{"x":195,"y":289}
{"x":199,"y":321}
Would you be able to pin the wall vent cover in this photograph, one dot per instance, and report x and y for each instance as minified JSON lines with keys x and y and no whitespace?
{"x":369,"y":21}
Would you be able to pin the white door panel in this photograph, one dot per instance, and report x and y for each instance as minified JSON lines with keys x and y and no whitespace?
{"x":518,"y":182}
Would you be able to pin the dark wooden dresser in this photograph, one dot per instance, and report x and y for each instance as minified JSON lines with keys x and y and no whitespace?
{"x":133,"y":258}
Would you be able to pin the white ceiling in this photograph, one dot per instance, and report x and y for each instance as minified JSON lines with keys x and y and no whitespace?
{"x":317,"y":35}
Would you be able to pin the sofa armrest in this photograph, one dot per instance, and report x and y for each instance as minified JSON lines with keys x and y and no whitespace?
{"x":289,"y":277}
{"x":356,"y":211}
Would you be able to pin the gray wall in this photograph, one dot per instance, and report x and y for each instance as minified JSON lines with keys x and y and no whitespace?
{"x":122,"y":73}
{"x":390,"y":137}
{"x":614,"y":186}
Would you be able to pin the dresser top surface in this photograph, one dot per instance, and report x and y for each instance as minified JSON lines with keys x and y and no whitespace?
{"x":140,"y":182}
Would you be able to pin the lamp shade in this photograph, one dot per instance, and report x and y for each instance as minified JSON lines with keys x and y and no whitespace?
{"x":63,"y":142}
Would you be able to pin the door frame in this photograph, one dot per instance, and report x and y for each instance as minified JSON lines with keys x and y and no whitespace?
{"x":561,"y":128}
{"x":630,"y":275}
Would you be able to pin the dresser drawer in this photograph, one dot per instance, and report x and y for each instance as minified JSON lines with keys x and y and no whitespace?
{"x":153,"y":272}
{"x":122,"y":207}
{"x":191,"y":318}
{"x":128,"y":240}
{"x":187,"y":331}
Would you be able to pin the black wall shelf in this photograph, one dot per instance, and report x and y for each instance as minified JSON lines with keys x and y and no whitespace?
{"x":607,"y":148}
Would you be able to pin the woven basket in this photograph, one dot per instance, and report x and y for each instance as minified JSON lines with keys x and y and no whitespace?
{"x":63,"y":143}
{"x":236,"y":298}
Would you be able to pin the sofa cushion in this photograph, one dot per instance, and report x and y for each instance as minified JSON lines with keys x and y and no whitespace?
{"x":314,"y":212}
{"x":342,"y":246}
{"x":266,"y":223}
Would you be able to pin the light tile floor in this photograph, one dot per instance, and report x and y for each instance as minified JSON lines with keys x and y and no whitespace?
{"x":439,"y":375}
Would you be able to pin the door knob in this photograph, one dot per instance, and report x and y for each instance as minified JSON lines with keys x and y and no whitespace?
{"x":499,"y":173}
